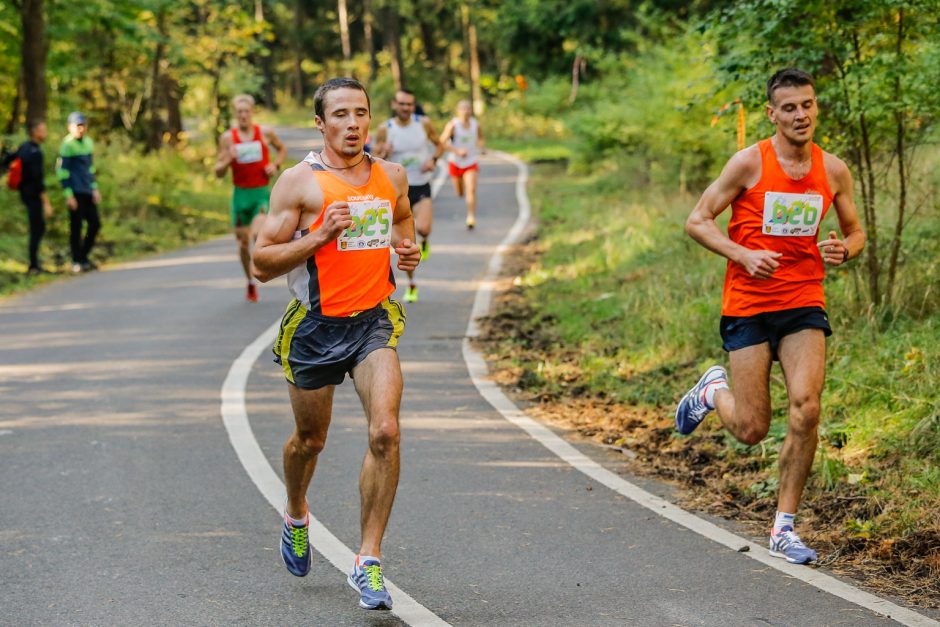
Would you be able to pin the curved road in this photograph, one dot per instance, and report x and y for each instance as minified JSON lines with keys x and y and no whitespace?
{"x":124,"y":502}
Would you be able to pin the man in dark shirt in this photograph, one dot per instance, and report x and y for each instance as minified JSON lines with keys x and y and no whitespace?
{"x":33,"y":188}
{"x":76,"y":171}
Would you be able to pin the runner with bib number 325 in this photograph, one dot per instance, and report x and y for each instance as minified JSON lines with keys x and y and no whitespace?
{"x":773,"y":307}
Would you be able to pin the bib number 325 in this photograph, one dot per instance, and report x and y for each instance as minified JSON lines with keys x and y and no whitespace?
{"x":371,"y":226}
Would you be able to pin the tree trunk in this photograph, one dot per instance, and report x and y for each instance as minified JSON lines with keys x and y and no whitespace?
{"x":367,"y":19}
{"x":899,"y":155}
{"x":475,"y":88}
{"x":429,"y":28}
{"x":299,"y":78}
{"x":344,"y":30}
{"x":174,"y":116}
{"x":155,"y":99}
{"x":15,"y":108}
{"x":868,"y":175}
{"x":266,"y":62}
{"x":577,"y":70}
{"x":393,"y":42}
{"x":34,"y":58}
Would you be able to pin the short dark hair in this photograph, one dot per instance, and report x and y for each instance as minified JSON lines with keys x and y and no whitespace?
{"x":405,"y":91}
{"x":33,"y":124}
{"x":788,"y":77}
{"x":343,"y":82}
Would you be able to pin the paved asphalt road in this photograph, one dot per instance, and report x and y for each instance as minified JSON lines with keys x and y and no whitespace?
{"x":123,"y":502}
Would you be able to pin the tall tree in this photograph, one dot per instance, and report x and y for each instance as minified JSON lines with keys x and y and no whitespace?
{"x":34,"y":58}
{"x":344,"y":30}
{"x":393,"y":43}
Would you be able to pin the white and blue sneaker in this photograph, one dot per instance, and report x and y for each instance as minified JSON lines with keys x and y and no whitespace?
{"x":366,"y":579}
{"x":786,"y":544}
{"x":295,"y":546}
{"x":693,"y":407}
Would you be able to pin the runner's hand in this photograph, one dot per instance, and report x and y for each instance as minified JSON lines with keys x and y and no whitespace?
{"x":336,"y":219}
{"x":96,"y":196}
{"x":409,"y":254}
{"x":72,"y":203}
{"x":428,"y":165}
{"x":760,"y":264}
{"x":461,"y":152}
{"x":270,"y":170}
{"x":833,"y":250}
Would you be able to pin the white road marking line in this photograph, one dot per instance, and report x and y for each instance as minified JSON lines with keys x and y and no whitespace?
{"x":494,"y":395}
{"x":235,"y":419}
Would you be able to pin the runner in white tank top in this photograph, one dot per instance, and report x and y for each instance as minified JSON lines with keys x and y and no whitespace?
{"x":463,"y":139}
{"x":406,"y":139}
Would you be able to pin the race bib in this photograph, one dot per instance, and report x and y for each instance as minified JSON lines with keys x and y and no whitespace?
{"x":792,"y":214}
{"x":248,"y":152}
{"x":371,"y":226}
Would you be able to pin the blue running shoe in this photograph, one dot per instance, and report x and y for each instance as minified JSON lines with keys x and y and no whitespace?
{"x":788,"y":545}
{"x":693,"y":408}
{"x":367,"y":580}
{"x":295,"y":547}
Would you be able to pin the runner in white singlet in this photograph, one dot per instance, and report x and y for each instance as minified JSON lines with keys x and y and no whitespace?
{"x":405,"y":139}
{"x":463,"y":139}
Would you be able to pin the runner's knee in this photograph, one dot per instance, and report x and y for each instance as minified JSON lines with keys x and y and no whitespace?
{"x":804,"y":414}
{"x":384,"y":435}
{"x":308,"y":444}
{"x":753,"y":433}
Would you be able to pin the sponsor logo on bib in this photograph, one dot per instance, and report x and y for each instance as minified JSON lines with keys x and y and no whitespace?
{"x":792,"y":215}
{"x":371,"y":226}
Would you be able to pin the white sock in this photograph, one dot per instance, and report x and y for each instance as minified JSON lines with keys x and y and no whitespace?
{"x":710,"y":390}
{"x":298,"y":522}
{"x":782,"y":520}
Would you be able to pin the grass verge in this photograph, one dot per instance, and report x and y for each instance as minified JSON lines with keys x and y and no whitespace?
{"x":613,"y":313}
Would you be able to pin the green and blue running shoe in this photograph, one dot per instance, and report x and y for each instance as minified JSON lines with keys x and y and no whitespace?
{"x":693,"y":407}
{"x":425,"y":250}
{"x":295,"y":546}
{"x":367,"y":580}
{"x":788,"y":545}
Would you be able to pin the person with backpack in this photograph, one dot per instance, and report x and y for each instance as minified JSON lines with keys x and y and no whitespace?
{"x":76,"y":171}
{"x":26,"y":173}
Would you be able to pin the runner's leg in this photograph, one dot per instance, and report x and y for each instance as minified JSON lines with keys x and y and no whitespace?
{"x":243,"y":237}
{"x":379,"y":385}
{"x":470,"y":180}
{"x":745,"y":411}
{"x":458,"y":185}
{"x":313,"y":410}
{"x":803,"y":358}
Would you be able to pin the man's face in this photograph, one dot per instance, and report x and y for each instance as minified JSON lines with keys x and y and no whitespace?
{"x":77,"y":130}
{"x":793,"y":111}
{"x":243,"y":113}
{"x":346,"y":120}
{"x":463,"y":111}
{"x":404,"y":105}
{"x":40,"y":132}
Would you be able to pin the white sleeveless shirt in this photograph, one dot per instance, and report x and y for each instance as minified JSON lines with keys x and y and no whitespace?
{"x":410,"y":148}
{"x":465,"y":137}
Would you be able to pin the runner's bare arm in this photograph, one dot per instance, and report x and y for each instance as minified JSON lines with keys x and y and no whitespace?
{"x":276,"y":251}
{"x":480,"y":143}
{"x":446,"y":143}
{"x":275,"y":141}
{"x":833,"y":249}
{"x":741,"y":172}
{"x":224,"y":158}
{"x":433,"y":137}
{"x":382,"y":148}
{"x":403,"y":226}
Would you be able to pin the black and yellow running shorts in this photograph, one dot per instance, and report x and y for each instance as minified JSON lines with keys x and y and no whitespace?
{"x":316,"y":351}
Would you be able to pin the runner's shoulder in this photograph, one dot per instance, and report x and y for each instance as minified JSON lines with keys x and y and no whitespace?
{"x":834,"y":165}
{"x":744,"y":165}
{"x":394,"y":171}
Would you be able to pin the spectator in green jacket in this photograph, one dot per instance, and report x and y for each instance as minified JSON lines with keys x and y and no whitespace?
{"x":76,"y":171}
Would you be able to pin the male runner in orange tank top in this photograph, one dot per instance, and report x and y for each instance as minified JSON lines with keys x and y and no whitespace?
{"x":773,"y":306}
{"x":334,"y":219}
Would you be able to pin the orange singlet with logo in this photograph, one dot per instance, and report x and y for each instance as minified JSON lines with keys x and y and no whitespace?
{"x":352,"y":273}
{"x":783,"y":215}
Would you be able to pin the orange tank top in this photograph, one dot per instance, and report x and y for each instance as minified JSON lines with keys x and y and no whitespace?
{"x":352,"y":273}
{"x":783,"y":215}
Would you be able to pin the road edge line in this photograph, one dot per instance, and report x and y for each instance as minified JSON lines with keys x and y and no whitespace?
{"x":479,"y":373}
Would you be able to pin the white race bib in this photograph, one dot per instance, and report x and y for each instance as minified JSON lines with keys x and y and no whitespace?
{"x":792,"y":214}
{"x":371,"y":226}
{"x":248,"y":152}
